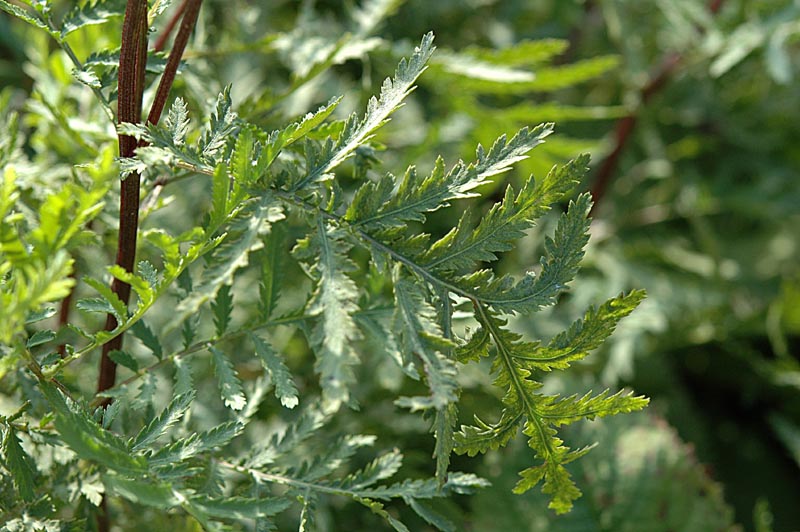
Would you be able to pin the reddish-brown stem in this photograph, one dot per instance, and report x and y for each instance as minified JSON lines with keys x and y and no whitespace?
{"x":132,"y":61}
{"x":190,"y":10}
{"x":164,"y":37}
{"x":131,"y":87}
{"x":625,"y":125}
{"x":133,"y":55}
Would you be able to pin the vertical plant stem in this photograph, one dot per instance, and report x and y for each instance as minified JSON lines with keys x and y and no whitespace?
{"x":132,"y":61}
{"x":133,"y":55}
{"x":131,"y":87}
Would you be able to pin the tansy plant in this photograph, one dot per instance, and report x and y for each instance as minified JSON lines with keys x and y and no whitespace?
{"x":279,"y":234}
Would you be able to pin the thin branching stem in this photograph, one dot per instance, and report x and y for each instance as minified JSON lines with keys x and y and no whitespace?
{"x":162,"y":39}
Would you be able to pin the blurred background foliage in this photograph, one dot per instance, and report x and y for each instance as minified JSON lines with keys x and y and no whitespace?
{"x":701,"y":208}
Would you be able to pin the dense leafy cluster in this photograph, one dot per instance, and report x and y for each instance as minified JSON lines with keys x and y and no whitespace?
{"x":278,"y":200}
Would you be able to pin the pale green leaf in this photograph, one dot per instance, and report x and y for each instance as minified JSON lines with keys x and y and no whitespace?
{"x":191,"y":446}
{"x":240,"y":507}
{"x":39,"y":338}
{"x":146,"y":492}
{"x":230,"y":386}
{"x":32,"y":19}
{"x":281,"y":378}
{"x":334,"y":303}
{"x":356,"y":132}
{"x":88,"y":439}
{"x":167,"y":418}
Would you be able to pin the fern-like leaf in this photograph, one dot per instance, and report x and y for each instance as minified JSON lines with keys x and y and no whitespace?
{"x":195,"y":444}
{"x":377,"y":205}
{"x":539,"y":414}
{"x":19,"y":464}
{"x":420,"y":335}
{"x":563,"y":254}
{"x":583,"y":336}
{"x":285,"y":389}
{"x":356,"y":132}
{"x":220,"y":129}
{"x":253,"y":219}
{"x":90,"y":13}
{"x":334,"y":303}
{"x":167,"y":418}
{"x":505,"y":222}
{"x":230,"y":386}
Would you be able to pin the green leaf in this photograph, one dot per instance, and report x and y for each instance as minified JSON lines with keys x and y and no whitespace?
{"x":563,"y":411}
{"x":377,"y":205}
{"x":96,"y":304}
{"x":272,"y":270}
{"x":221,"y":185}
{"x":167,"y":418}
{"x":246,"y":165}
{"x":30,"y":18}
{"x":195,"y":444}
{"x":477,"y":76}
{"x":230,"y":386}
{"x":334,"y":302}
{"x":383,"y":467}
{"x":279,"y":139}
{"x":462,"y":483}
{"x":239,"y":507}
{"x":177,"y":121}
{"x":39,"y":315}
{"x":145,"y":393}
{"x":540,"y":415}
{"x":378,"y":509}
{"x":222,"y":306}
{"x":419,"y":333}
{"x":39,"y":338}
{"x":20,"y":465}
{"x":505,"y":222}
{"x":443,"y":428}
{"x":90,"y":13}
{"x":300,"y":430}
{"x":221,"y":127}
{"x":152,"y":493}
{"x":482,"y":436}
{"x":431,"y":517}
{"x":285,"y":389}
{"x":559,"y":266}
{"x":145,"y":334}
{"x":254,"y":219}
{"x":183,"y":377}
{"x":88,"y":78}
{"x":114,"y":304}
{"x":583,"y":336}
{"x":356,"y":132}
{"x":524,"y":52}
{"x":143,"y":288}
{"x":90,"y":441}
{"x":125,"y":359}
